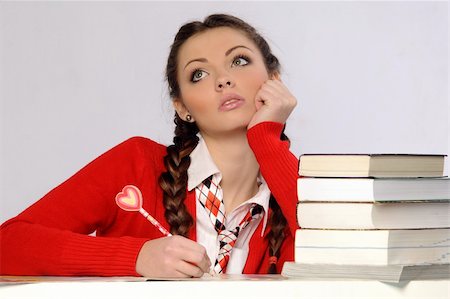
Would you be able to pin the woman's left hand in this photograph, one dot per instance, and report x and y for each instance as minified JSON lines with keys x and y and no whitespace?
{"x":274,"y":102}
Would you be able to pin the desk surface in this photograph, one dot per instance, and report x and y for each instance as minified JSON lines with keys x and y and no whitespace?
{"x":241,"y":286}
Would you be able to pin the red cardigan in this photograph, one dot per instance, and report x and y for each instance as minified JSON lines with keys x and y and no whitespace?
{"x":51,"y":236}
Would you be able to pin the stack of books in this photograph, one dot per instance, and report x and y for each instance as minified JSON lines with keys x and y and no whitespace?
{"x":384,"y":217}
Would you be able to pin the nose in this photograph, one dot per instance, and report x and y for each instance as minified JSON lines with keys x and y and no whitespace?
{"x":223,"y":82}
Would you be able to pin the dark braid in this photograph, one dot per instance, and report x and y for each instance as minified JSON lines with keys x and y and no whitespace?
{"x":277,"y":226}
{"x":177,"y":161}
{"x":174,"y":180}
{"x":276,"y":234}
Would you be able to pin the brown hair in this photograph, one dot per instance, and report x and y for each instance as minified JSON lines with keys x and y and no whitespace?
{"x":174,"y":180}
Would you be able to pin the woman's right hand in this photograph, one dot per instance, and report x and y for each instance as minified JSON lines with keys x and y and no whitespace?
{"x":174,"y":256}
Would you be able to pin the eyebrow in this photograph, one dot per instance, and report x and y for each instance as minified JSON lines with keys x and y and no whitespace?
{"x":228,"y":52}
{"x":236,"y":47}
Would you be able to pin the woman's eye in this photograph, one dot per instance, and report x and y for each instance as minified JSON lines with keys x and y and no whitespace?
{"x":239,"y":61}
{"x":197,"y":75}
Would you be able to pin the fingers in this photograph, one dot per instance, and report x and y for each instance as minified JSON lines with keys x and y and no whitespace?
{"x":269,"y":90}
{"x":174,"y":256}
{"x":195,"y":254}
{"x":274,"y":92}
{"x":273,"y":102}
{"x":278,"y":87}
{"x":185,"y":269}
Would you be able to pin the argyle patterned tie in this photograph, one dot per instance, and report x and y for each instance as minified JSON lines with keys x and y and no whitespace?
{"x":211,"y":198}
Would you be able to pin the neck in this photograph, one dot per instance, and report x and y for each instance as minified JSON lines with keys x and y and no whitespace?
{"x":237,"y":163}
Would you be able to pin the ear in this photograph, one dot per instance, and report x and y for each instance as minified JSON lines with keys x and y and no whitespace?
{"x":181,"y":110}
{"x":276,"y":76}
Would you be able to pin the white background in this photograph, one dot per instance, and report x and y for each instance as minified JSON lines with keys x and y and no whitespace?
{"x":76,"y":78}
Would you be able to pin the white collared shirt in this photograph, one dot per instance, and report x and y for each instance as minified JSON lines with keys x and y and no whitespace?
{"x":202,"y":166}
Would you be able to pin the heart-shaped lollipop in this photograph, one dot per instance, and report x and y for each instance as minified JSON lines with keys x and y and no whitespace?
{"x":130,"y":199}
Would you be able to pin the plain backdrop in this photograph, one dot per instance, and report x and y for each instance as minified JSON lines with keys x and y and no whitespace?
{"x":76,"y":78}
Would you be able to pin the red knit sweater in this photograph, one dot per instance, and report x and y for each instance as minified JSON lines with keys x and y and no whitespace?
{"x":51,"y":236}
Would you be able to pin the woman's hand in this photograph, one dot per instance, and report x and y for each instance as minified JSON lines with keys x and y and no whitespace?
{"x":174,"y":256}
{"x":274,"y":102}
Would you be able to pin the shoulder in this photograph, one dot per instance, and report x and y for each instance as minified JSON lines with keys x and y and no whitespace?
{"x":142,"y":144}
{"x":137,"y":148}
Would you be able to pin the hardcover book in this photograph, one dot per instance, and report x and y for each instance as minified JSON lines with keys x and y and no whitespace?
{"x":373,"y":247}
{"x":373,"y":189}
{"x":360,"y":215}
{"x":371,"y":165}
{"x":392,"y":273}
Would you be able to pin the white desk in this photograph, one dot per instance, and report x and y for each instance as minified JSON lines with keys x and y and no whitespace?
{"x":240,"y":287}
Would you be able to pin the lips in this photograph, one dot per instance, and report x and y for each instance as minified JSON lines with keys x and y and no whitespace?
{"x":230,"y":101}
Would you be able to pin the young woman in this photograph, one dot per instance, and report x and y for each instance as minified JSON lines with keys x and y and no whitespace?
{"x":226,"y":188}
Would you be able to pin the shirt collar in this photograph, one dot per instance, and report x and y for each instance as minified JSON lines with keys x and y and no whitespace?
{"x":203,"y":166}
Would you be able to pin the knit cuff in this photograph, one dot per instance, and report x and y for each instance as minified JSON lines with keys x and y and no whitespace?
{"x":263,"y":135}
{"x":104,"y":256}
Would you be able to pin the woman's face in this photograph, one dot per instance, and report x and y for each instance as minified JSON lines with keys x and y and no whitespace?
{"x":219,"y":73}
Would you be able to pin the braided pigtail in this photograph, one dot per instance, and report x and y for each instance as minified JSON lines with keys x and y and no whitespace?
{"x":174,"y":181}
{"x":278,"y":224}
{"x":276,"y":234}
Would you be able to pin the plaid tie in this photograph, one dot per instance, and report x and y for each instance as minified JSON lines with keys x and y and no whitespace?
{"x":211,"y":198}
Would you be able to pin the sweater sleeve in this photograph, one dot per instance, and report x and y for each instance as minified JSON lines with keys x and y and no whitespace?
{"x":51,"y":236}
{"x":278,"y":166}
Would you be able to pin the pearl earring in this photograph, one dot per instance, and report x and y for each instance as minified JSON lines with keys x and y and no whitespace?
{"x":188,"y":118}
